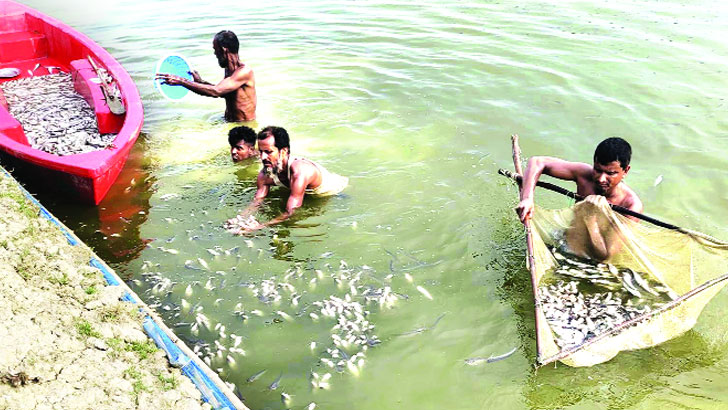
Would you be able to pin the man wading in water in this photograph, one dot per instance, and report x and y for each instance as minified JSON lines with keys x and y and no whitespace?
{"x":238,"y":86}
{"x":300,"y":175}
{"x":242,"y":143}
{"x":601,"y":184}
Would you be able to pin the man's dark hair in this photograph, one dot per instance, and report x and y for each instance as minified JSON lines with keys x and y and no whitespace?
{"x":280,"y":135}
{"x":227,"y":39}
{"x":242,"y":132}
{"x":613,"y":149}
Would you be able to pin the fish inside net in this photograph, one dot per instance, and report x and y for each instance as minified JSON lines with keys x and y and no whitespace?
{"x":652,"y":287}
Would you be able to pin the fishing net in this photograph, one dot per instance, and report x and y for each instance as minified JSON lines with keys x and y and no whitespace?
{"x":652,"y":287}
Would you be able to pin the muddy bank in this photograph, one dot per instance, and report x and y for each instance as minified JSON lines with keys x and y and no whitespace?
{"x":66,"y":341}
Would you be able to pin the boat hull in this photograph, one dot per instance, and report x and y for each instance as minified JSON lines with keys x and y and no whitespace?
{"x":29,"y":38}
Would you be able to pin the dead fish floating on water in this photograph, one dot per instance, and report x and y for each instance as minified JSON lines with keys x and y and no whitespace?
{"x":286,"y":399}
{"x":475,"y":361}
{"x":276,"y":382}
{"x":424,"y":292}
{"x":424,"y":328}
{"x":256,"y":376}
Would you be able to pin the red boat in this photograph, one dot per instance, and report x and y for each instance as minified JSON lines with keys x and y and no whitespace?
{"x":29,"y":38}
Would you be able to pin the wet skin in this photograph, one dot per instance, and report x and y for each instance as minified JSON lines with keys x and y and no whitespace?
{"x":242,"y":151}
{"x":237,"y":88}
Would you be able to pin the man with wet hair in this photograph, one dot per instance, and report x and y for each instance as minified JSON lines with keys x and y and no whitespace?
{"x":600,"y":183}
{"x":238,"y":86}
{"x":242,"y":143}
{"x":301,"y":176}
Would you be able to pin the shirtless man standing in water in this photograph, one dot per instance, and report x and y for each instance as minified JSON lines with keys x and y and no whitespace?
{"x":601,"y":184}
{"x":238,"y":86}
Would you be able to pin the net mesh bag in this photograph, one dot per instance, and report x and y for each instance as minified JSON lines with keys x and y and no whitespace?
{"x":637,"y":286}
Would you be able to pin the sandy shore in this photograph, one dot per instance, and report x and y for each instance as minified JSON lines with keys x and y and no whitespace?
{"x":67,"y":340}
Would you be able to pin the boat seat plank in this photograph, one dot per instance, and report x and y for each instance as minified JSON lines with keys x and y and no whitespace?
{"x":12,"y":21}
{"x":24,"y":45}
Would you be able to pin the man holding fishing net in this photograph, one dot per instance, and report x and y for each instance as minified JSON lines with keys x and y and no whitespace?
{"x":591,"y":234}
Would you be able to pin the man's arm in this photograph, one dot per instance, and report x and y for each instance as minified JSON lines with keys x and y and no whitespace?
{"x":229,"y":84}
{"x":196,"y":78}
{"x":554,"y":167}
{"x":299,"y":182}
{"x":300,"y":178}
{"x":236,"y":227}
{"x":263,"y":182}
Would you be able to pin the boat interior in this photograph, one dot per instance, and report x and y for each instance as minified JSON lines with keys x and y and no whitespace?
{"x":38,"y":48}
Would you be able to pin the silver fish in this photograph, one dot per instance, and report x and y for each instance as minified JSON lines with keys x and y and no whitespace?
{"x":276,"y":382}
{"x":256,"y":376}
{"x":475,"y":361}
{"x":629,"y":285}
{"x":643,"y":283}
{"x":285,"y":398}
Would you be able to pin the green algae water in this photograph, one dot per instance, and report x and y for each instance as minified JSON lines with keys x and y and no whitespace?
{"x":415,"y":104}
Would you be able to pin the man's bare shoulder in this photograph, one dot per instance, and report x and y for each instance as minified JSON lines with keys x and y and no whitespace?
{"x":631,"y":200}
{"x":243,"y":72}
{"x":563,"y":169}
{"x":302,"y":167}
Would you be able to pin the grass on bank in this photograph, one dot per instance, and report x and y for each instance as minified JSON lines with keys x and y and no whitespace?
{"x":86,"y":330}
{"x":137,"y":384}
{"x":25,"y":206}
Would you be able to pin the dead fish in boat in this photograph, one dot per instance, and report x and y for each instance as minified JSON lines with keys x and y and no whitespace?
{"x":9,"y":72}
{"x":256,"y":376}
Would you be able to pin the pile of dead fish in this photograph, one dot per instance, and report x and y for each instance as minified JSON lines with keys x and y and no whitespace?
{"x":54,"y":117}
{"x":241,"y":224}
{"x":576,"y":310}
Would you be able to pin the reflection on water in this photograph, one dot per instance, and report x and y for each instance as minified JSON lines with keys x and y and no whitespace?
{"x":648,"y":372}
{"x":112,"y":228}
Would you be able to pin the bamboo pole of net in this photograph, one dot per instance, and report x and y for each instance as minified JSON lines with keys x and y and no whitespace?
{"x":530,"y":261}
